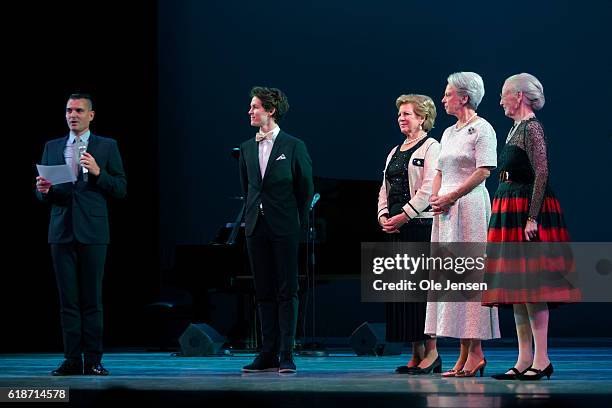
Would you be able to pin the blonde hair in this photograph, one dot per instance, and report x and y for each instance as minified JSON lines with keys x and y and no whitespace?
{"x":423,"y":106}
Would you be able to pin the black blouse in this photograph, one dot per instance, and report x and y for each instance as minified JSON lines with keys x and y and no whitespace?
{"x":524,"y":157}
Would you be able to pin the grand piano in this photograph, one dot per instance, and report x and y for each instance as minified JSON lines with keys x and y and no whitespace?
{"x":344,"y":217}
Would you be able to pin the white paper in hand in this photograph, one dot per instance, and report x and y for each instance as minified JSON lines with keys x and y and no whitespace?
{"x":56,"y":174}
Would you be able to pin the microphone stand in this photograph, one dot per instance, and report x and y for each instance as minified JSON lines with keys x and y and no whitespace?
{"x":311,"y":349}
{"x":231,"y":240}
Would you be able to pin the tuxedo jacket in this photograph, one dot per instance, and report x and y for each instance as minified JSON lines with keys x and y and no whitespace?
{"x":78,"y":210}
{"x":286,"y":188}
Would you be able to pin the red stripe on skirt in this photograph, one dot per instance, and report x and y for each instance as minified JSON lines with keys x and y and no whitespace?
{"x":551,"y":205}
{"x":545,"y":294}
{"x":505,"y":235}
{"x":518,"y":234}
{"x":521,"y":205}
{"x":514,"y":205}
{"x":532,"y":265}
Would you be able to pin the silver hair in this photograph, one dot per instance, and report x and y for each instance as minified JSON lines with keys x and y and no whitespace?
{"x":468,"y":84}
{"x":531,"y":88}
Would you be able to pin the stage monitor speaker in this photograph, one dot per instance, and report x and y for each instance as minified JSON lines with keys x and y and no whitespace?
{"x":199,"y":339}
{"x":369,"y":339}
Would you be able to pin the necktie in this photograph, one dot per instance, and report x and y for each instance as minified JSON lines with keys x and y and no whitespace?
{"x":264,"y":136}
{"x":75,"y":157}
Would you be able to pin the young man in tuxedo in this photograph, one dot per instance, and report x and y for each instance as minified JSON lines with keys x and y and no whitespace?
{"x":276,"y":180}
{"x":79,"y":232}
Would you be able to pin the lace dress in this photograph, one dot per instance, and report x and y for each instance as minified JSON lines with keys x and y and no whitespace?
{"x":539,"y":272}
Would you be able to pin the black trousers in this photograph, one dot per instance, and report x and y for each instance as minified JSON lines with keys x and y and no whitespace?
{"x":274,"y":263}
{"x":79,"y":270}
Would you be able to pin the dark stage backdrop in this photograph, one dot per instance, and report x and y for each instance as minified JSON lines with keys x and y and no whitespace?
{"x":108,"y":49}
{"x":342,"y":64}
{"x":171,"y":82}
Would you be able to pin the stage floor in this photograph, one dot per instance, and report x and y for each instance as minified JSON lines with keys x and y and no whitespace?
{"x":582,"y":377}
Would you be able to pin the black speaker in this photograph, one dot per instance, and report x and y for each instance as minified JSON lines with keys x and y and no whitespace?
{"x":199,"y":340}
{"x":369,"y":339}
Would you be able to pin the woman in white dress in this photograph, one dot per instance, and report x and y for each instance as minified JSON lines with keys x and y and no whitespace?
{"x":462,"y":206}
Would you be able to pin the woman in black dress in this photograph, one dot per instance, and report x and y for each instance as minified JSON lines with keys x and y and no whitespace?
{"x":525,"y":209}
{"x":404,"y":213}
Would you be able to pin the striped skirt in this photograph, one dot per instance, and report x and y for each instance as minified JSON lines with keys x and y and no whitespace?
{"x":517,"y":271}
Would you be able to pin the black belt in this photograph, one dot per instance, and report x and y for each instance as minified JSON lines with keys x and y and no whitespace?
{"x":504,"y":177}
{"x":507,"y":177}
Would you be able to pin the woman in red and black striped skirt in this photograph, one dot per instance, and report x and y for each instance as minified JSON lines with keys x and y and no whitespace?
{"x":527,"y":276}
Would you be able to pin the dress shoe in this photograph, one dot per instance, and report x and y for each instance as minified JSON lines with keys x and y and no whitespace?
{"x":95,"y":369}
{"x":538,"y":373}
{"x":512,"y":376}
{"x":435,"y":367}
{"x":472,"y":373}
{"x":69,"y":367}
{"x":264,"y":362}
{"x":287,"y":365}
{"x":450,"y":373}
{"x":405,"y":369}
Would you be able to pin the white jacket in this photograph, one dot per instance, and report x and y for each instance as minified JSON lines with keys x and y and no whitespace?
{"x":421,"y":172}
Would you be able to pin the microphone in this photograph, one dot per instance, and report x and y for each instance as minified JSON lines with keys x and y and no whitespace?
{"x":315,"y":198}
{"x":82,"y":148}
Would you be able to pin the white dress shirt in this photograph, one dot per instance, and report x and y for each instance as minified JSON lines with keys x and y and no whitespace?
{"x":265,"y":148}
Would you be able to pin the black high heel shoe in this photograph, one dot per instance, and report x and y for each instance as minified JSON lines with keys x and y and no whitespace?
{"x":435,"y":367}
{"x":539,"y":373}
{"x":405,"y":369}
{"x":514,"y":376}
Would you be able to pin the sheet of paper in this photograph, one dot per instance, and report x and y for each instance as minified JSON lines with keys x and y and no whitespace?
{"x":56,"y":174}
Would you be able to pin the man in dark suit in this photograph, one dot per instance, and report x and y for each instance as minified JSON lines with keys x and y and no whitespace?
{"x":276,"y":179}
{"x":79,"y":232}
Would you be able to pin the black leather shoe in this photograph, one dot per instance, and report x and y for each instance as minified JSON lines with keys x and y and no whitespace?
{"x":69,"y":367}
{"x":405,"y":369}
{"x":264,"y":362}
{"x":287,"y":365}
{"x":434,"y":368}
{"x":547,"y":372}
{"x":512,"y":376}
{"x":95,"y":369}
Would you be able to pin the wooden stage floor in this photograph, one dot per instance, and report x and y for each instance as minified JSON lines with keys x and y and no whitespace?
{"x":582,"y":377}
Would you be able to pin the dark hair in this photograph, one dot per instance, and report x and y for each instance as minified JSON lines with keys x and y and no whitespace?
{"x":272,"y":98}
{"x":82,"y":96}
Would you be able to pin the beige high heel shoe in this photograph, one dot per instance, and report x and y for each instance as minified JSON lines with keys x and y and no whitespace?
{"x":472,"y":373}
{"x":451,"y":373}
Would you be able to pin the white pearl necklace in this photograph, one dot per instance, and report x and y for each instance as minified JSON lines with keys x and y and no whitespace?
{"x":408,"y":140}
{"x":466,"y":123}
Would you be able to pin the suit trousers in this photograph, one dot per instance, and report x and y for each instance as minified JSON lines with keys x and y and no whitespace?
{"x":274,"y":263}
{"x":79,"y":270}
